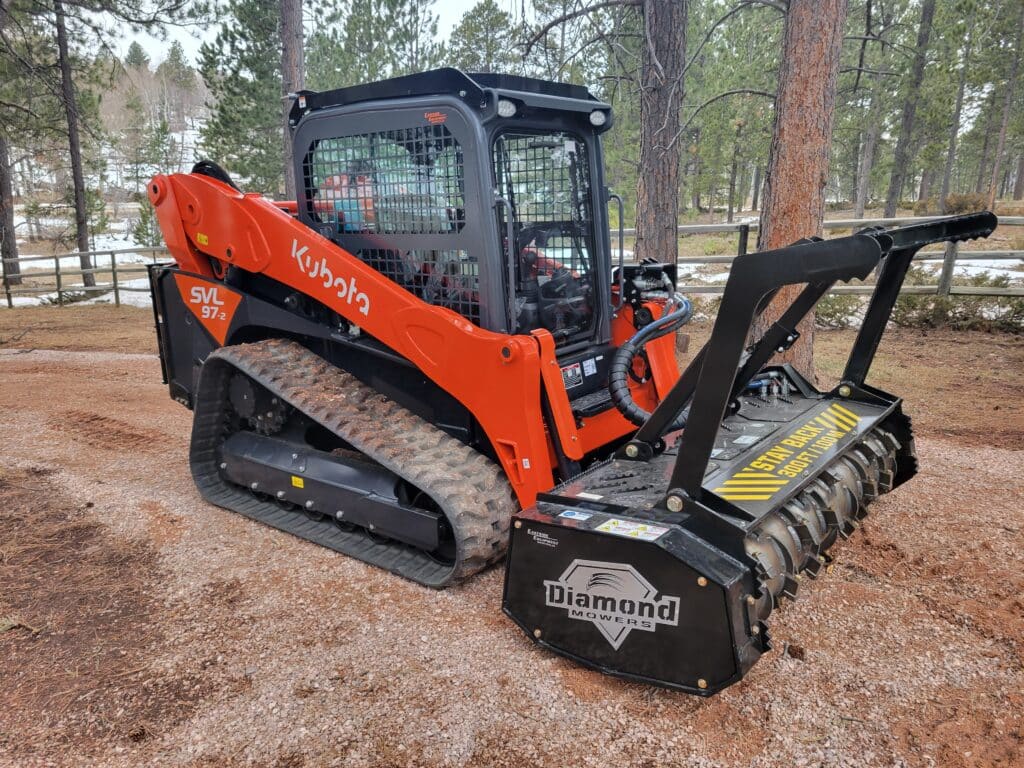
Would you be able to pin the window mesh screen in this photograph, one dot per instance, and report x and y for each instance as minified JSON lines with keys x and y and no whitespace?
{"x":447,"y":278}
{"x":406,"y":181}
{"x":546,"y":177}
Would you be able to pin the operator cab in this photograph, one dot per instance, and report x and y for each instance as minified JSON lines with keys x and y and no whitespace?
{"x":482,"y":193}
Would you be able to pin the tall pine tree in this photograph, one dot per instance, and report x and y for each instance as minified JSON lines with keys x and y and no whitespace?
{"x":484,"y":41}
{"x":241,"y":68}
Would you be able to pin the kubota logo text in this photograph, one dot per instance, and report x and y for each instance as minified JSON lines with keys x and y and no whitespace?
{"x":612,"y":596}
{"x":208,"y":301}
{"x":317,"y":269}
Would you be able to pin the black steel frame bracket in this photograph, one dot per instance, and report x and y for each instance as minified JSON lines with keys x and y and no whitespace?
{"x":720,"y":371}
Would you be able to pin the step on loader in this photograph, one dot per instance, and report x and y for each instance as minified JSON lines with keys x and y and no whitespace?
{"x":432,"y":351}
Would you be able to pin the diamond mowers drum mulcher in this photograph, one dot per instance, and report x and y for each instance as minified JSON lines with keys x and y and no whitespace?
{"x":663,"y":563}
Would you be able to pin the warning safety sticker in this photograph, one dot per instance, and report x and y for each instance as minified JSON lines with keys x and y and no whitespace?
{"x":631,"y":529}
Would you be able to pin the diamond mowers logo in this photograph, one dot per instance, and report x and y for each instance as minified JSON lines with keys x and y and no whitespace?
{"x":613,"y":596}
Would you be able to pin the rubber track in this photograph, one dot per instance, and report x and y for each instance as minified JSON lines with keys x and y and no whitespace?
{"x":471,"y":490}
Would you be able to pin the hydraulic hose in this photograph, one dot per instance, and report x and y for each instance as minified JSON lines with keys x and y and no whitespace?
{"x":618,"y":373}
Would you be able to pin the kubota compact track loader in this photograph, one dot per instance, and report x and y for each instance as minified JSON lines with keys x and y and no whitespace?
{"x":432,"y":345}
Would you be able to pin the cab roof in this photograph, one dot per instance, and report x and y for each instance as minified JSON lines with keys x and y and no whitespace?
{"x":476,"y":89}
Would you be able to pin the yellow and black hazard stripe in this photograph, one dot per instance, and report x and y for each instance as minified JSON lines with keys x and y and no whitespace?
{"x":747,"y":485}
{"x":755,"y":483}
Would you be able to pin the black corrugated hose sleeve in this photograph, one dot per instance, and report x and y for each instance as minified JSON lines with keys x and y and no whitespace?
{"x":618,"y":373}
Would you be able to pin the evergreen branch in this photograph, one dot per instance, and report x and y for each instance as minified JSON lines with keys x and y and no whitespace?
{"x":574,"y":15}
{"x":866,"y":70}
{"x":11,"y":105}
{"x":717,"y":24}
{"x":722,"y":95}
{"x":863,"y":44}
{"x":782,"y":6}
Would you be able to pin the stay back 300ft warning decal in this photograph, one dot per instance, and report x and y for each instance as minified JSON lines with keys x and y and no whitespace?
{"x":776,"y":467}
{"x":213,"y":304}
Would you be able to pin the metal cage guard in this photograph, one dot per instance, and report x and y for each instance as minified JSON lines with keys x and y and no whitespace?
{"x":720,"y":371}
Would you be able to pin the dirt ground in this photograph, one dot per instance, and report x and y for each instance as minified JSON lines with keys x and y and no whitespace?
{"x":140,"y":626}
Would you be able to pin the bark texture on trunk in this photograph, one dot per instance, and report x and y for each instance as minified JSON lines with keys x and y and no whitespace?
{"x":794,"y":196}
{"x":1011,"y":87}
{"x":661,"y":96}
{"x":901,"y":155}
{"x":1018,"y":185}
{"x":8,"y":239}
{"x":292,"y":79}
{"x":67,"y":94}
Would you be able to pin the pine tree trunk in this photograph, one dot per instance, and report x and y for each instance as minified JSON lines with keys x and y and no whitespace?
{"x":661,"y":96}
{"x":794,"y":197}
{"x":1011,"y":86}
{"x":867,"y":154}
{"x":8,"y":238}
{"x":983,"y":161}
{"x":67,"y":92}
{"x":901,"y":157}
{"x":756,"y":195}
{"x":292,"y":79}
{"x":732,"y":173}
{"x":927,"y":176}
{"x":954,"y":128}
{"x":1018,"y":185}
{"x":694,"y":170}
{"x":742,"y":186}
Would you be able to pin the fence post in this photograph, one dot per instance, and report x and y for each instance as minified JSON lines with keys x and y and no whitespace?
{"x":948,"y":263}
{"x":113,"y":276}
{"x":56,"y":269}
{"x":744,"y":238}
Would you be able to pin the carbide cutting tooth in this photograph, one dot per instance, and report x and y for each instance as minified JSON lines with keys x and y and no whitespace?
{"x":890,"y":440}
{"x":891,"y":447}
{"x":821,"y":492}
{"x":804,"y":514}
{"x":869,"y":476}
{"x":770,"y":570}
{"x":790,"y":587}
{"x":806,"y":508}
{"x":845,"y":492}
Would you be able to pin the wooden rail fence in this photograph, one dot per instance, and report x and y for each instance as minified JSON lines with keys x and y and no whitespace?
{"x":114,"y":265}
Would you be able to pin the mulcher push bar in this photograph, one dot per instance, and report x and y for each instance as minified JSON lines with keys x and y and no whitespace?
{"x":719,"y":371}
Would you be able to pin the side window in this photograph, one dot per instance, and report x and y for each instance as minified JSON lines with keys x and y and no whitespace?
{"x":405,"y":181}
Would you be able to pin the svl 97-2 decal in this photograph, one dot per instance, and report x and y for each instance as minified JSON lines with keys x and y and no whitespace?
{"x":212,"y":304}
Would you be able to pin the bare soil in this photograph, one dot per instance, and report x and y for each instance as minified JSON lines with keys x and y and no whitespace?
{"x":79,"y":327}
{"x":140,"y":626}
